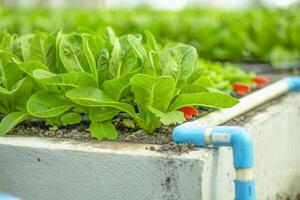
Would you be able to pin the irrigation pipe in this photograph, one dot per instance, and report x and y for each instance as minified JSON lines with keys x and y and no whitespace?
{"x":207,"y":132}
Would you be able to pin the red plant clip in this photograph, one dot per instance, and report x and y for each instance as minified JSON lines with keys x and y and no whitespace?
{"x":260,"y":81}
{"x":241,"y":88}
{"x":189,"y":111}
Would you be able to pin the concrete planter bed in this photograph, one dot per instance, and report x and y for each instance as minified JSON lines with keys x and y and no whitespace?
{"x":48,"y":168}
{"x":100,"y":105}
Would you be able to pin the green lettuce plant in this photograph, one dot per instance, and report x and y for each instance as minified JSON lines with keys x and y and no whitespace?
{"x":15,"y":90}
{"x":220,"y":76}
{"x":67,"y":76}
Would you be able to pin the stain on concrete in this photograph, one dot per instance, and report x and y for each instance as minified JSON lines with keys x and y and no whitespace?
{"x":170,"y":181}
{"x":286,"y":196}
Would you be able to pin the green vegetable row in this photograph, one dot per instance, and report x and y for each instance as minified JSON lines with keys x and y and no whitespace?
{"x":60,"y":78}
{"x":241,"y":36}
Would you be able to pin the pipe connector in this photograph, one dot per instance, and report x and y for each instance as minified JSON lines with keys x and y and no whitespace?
{"x":239,"y":140}
{"x":233,"y":136}
{"x":293,"y":83}
{"x":219,"y":136}
{"x":190,"y":132}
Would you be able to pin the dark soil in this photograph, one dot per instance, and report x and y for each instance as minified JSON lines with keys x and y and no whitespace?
{"x":127,"y":133}
{"x":161,"y":136}
{"x":79,"y":132}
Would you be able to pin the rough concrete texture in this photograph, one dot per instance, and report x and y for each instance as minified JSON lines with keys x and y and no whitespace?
{"x":43,"y":168}
{"x":276,"y":135}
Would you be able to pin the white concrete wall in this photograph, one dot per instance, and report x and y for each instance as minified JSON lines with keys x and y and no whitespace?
{"x":42,"y":169}
{"x":276,"y":136}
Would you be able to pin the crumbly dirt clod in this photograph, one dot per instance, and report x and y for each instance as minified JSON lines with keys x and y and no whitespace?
{"x":41,"y":130}
{"x":152,"y":148}
{"x":176,"y":148}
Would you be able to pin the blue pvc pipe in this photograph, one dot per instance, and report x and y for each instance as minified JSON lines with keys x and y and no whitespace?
{"x":237,"y":138}
{"x":293,"y":82}
{"x":245,"y":190}
{"x":233,"y":136}
{"x":239,"y":141}
{"x":189,"y":132}
{"x":4,"y":196}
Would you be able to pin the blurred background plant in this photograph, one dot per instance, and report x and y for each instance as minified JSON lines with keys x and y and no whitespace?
{"x":165,"y":4}
{"x":255,"y":31}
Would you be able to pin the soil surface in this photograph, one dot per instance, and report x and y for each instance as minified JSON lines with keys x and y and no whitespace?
{"x":161,"y":136}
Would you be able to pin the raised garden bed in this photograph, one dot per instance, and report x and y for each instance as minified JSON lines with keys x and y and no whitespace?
{"x":90,"y":115}
{"x":72,"y":169}
{"x":41,"y":103}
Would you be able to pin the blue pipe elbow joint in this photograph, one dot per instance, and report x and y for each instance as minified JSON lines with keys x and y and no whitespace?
{"x":293,"y":83}
{"x":219,"y":136}
{"x":239,"y":140}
